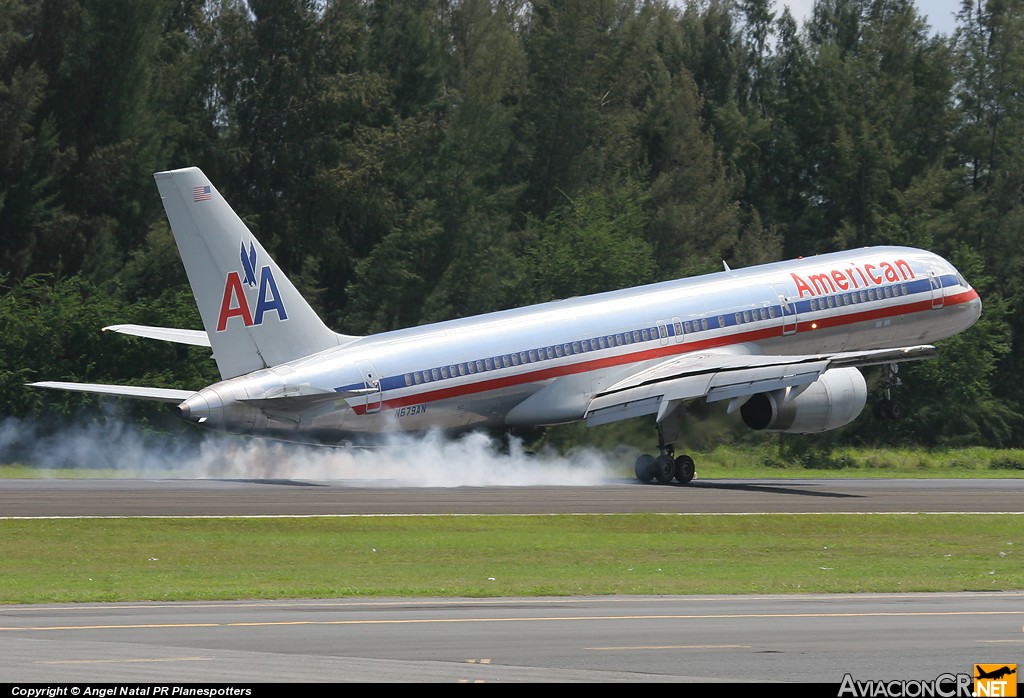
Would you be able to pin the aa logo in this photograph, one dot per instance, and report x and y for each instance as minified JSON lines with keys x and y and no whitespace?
{"x":234,"y":302}
{"x":995,"y":680}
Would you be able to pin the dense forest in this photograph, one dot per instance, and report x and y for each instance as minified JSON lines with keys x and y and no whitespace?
{"x":409,"y":161}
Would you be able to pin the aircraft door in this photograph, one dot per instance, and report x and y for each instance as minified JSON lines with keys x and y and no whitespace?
{"x":787,"y":311}
{"x":677,"y":330}
{"x":663,"y":332}
{"x":938,"y":293}
{"x":371,"y":379}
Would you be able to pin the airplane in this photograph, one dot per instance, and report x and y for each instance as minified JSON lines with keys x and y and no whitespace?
{"x":783,"y":343}
{"x":996,"y":673}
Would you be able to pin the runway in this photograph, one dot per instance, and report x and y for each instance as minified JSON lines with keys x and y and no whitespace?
{"x":615,"y":639}
{"x":262,"y":497}
{"x":814,"y":639}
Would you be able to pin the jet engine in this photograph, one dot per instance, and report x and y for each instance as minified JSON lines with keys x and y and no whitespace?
{"x":832,"y":401}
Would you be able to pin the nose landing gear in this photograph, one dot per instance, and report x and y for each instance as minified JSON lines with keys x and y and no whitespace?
{"x":887,"y":408}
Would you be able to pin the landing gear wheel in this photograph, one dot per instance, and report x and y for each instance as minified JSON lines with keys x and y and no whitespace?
{"x":685,"y":469}
{"x":644,"y":468}
{"x":664,"y":468}
{"x":888,"y":409}
{"x":879,"y":409}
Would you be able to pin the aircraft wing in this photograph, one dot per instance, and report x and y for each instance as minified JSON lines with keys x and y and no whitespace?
{"x":157,"y":394}
{"x":198,"y":338}
{"x":724,"y":376}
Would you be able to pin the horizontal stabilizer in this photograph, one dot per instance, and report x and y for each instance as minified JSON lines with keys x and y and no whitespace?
{"x":197,"y":338}
{"x":302,"y":400}
{"x":133,"y":391}
{"x":298,"y":404}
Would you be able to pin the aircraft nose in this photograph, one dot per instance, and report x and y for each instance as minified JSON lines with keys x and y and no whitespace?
{"x":976,"y":307}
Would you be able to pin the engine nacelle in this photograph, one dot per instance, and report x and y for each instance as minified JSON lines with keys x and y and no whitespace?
{"x":832,"y":401}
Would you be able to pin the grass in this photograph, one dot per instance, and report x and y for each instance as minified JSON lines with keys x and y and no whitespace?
{"x":974,"y":462}
{"x":89,"y":560}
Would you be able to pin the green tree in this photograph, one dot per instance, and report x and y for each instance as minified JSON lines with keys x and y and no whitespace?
{"x":32,"y":217}
{"x":989,"y":140}
{"x":591,"y":244}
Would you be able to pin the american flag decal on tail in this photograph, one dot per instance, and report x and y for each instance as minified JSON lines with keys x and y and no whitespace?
{"x":201,"y":193}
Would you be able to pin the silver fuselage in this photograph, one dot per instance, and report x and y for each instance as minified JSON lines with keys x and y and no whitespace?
{"x":477,"y":372}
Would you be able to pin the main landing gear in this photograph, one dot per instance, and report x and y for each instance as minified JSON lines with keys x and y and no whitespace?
{"x":666,"y":467}
{"x":887,"y":407}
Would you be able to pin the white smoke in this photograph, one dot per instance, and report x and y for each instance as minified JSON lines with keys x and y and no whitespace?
{"x":116,"y":448}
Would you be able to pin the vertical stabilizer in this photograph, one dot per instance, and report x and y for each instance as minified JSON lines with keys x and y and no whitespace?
{"x":254,"y":316}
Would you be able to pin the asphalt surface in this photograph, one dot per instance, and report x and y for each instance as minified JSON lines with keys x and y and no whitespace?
{"x":662,"y":639}
{"x":812,"y":639}
{"x":37,"y":497}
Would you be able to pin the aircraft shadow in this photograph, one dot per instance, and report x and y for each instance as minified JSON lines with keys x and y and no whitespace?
{"x":775,"y":489}
{"x":275,"y":481}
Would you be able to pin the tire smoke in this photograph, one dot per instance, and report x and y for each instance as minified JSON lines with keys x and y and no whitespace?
{"x":113,"y":447}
